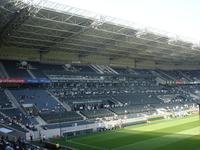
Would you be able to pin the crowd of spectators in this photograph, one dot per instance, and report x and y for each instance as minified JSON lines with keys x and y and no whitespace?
{"x":17,"y":144}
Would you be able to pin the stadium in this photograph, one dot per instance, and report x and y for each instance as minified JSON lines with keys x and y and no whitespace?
{"x":77,"y":80}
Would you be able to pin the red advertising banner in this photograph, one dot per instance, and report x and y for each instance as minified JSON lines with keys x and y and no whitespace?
{"x":180,"y":82}
{"x":12,"y":80}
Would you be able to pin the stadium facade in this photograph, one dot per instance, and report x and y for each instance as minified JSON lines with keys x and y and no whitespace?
{"x":70,"y":72}
{"x":41,"y":30}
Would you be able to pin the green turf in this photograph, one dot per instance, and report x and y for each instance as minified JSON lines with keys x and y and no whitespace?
{"x":172,"y":134}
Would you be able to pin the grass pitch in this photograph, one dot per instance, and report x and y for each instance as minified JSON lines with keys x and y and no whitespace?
{"x":173,"y":134}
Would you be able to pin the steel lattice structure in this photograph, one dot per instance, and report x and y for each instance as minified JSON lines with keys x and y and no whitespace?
{"x":41,"y":24}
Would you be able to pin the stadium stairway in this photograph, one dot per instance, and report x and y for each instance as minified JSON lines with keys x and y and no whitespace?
{"x":113,"y":112}
{"x":185,"y":76}
{"x":165,"y":75}
{"x":116,"y":101}
{"x":66,"y":106}
{"x":107,"y":69}
{"x":96,"y":69}
{"x":160,"y":80}
{"x":31,"y":74}
{"x":40,"y":121}
{"x":3,"y":72}
{"x":14,"y":101}
{"x":101,"y":69}
{"x":112,"y":70}
{"x":84,"y":117}
{"x":13,"y":104}
{"x":156,"y":74}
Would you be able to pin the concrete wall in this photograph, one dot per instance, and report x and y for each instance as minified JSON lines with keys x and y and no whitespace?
{"x":69,"y":57}
{"x":49,"y":133}
{"x":95,"y":59}
{"x":145,"y":64}
{"x":59,"y":57}
{"x":123,"y":62}
{"x":19,"y":54}
{"x":171,"y":66}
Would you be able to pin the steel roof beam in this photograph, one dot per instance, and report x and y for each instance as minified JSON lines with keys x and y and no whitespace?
{"x":125,"y":49}
{"x":106,"y":50}
{"x":113,"y":32}
{"x":95,"y":36}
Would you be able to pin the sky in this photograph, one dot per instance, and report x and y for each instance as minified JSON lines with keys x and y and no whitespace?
{"x":179,"y":17}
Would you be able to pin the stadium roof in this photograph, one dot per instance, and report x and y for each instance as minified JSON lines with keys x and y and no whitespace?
{"x":45,"y":25}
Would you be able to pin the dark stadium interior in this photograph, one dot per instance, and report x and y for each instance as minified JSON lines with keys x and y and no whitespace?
{"x":63,"y":74}
{"x":76,"y":98}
